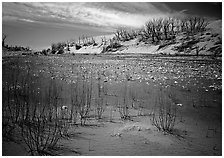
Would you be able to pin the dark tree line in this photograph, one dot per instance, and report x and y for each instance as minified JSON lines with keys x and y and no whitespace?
{"x":17,"y":48}
{"x":157,"y":30}
{"x":13,"y":48}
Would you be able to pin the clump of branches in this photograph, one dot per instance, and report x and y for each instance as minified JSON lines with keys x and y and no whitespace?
{"x":193,"y":25}
{"x":85,"y":41}
{"x":165,"y":113}
{"x":40,"y":135}
{"x":124,"y":35}
{"x":11,"y":104}
{"x":157,"y":30}
{"x":42,"y":126}
{"x":124,"y":107}
{"x":84,"y":97}
{"x":44,"y":51}
{"x":113,"y":46}
{"x":102,"y":91}
{"x":58,"y":48}
{"x":33,"y":116}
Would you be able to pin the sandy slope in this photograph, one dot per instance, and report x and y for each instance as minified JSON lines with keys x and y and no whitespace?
{"x":216,"y":26}
{"x":207,"y":40}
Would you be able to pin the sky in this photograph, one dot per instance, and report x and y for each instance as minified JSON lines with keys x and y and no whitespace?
{"x":39,"y":24}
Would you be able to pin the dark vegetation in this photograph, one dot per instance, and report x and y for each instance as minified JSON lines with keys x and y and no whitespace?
{"x":12,"y":48}
{"x":17,"y":48}
{"x":158,"y":30}
{"x":59,"y":48}
{"x":27,"y":116}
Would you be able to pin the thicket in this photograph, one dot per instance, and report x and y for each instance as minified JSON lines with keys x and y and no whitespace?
{"x":125,"y":35}
{"x":28,"y":114}
{"x":163,"y":29}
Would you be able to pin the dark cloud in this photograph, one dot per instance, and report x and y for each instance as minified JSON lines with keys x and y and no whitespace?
{"x":205,"y":9}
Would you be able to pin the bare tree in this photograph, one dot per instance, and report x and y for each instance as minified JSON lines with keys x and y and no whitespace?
{"x":4,"y":36}
{"x":158,"y":27}
{"x":150,"y":30}
{"x":166,"y":24}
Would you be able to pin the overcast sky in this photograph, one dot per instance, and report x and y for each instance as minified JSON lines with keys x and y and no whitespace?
{"x":39,"y":24}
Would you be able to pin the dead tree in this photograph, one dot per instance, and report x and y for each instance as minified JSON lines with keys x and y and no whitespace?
{"x":166,"y":25}
{"x":3,"y":39}
{"x":157,"y":26}
{"x":150,"y":30}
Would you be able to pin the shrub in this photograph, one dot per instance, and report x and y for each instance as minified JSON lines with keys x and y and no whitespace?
{"x":113,"y":46}
{"x":58,"y":48}
{"x":30,"y":113}
{"x":60,"y":51}
{"x":84,"y":97}
{"x":86,"y":41}
{"x":125,"y":35}
{"x":102,"y":91}
{"x":44,"y":52}
{"x":164,"y":116}
{"x":77,"y":46}
{"x":124,"y":108}
{"x":40,"y":135}
{"x":42,"y":126}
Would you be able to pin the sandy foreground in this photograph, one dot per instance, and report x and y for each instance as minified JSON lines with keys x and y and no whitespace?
{"x":198,"y":127}
{"x":135,"y":138}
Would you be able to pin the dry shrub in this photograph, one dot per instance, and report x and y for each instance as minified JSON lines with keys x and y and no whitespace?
{"x":31,"y":114}
{"x":165,"y":112}
{"x":113,"y":46}
{"x":40,"y":135}
{"x":123,"y":34}
{"x":84,"y":97}
{"x":102,"y":92}
{"x":44,"y":127}
{"x":124,"y":107}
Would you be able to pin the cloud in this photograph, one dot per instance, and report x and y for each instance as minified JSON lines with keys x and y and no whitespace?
{"x":107,"y":15}
{"x":27,"y":20}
